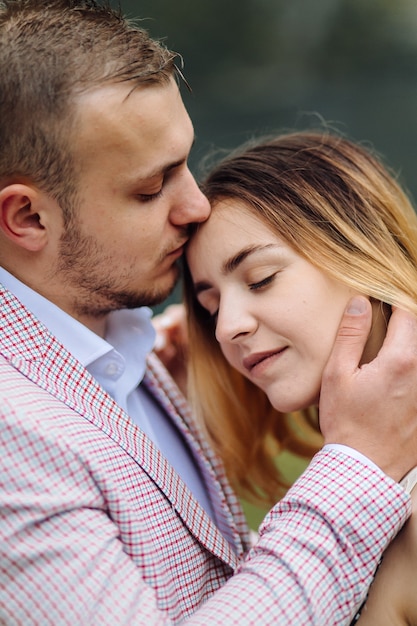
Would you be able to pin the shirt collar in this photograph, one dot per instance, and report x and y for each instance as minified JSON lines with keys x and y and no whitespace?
{"x":130,"y":332}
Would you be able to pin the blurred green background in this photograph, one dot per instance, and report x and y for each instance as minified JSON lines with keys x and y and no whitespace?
{"x":259,"y":66}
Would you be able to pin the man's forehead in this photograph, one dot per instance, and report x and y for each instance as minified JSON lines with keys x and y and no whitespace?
{"x":147,"y":129}
{"x":120,"y":104}
{"x":111,"y":99}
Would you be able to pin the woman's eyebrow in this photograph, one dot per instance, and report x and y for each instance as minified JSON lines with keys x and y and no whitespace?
{"x":232,"y":263}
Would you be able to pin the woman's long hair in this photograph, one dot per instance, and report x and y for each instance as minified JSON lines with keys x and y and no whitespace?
{"x":337,"y":206}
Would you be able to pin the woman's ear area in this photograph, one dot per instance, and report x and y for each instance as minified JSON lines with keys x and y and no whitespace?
{"x":22,"y":216}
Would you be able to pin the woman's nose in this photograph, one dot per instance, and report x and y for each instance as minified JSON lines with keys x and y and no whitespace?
{"x":234,"y":323}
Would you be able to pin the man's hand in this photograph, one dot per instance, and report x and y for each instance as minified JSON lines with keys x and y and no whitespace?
{"x":373,"y":408}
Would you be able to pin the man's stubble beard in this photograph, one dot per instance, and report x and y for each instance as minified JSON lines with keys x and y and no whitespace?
{"x":87,"y":271}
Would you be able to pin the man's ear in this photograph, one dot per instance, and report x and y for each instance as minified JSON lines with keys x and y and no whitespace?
{"x":21,"y":216}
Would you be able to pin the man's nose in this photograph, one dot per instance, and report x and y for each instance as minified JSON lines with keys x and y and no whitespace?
{"x":191,"y":205}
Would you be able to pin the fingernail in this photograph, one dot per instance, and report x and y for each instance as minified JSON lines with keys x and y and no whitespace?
{"x":356,"y":306}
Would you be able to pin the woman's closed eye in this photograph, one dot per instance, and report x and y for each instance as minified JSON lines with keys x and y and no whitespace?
{"x":209,"y":302}
{"x":262,"y":283}
{"x":213,"y":316}
{"x":211,"y":312}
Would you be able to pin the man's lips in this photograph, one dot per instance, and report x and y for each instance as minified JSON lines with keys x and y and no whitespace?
{"x":178,"y":250}
{"x":253,"y":360}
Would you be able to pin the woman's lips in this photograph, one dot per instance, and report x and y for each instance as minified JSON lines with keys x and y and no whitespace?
{"x":251,"y":362}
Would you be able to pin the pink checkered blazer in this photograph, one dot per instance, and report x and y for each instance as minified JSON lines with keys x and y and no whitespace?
{"x":97,"y":528}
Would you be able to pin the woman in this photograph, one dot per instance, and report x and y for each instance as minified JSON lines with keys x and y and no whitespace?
{"x":299,"y":224}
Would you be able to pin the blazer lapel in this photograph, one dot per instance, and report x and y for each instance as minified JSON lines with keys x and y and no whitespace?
{"x":229,"y":515}
{"x":30,"y":348}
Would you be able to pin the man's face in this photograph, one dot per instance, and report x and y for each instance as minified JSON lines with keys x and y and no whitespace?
{"x":136,"y":200}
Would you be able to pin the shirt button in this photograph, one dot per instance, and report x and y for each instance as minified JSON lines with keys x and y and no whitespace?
{"x":112,"y":369}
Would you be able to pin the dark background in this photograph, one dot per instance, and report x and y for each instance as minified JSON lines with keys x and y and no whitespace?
{"x":262,"y":65}
{"x":258,"y":66}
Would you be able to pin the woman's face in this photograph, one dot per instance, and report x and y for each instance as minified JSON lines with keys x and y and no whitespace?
{"x":276,"y":314}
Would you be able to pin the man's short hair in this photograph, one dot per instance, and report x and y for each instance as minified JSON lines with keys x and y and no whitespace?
{"x":50,"y":52}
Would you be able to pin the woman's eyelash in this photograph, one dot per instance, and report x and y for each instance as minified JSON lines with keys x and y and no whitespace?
{"x":262,"y":283}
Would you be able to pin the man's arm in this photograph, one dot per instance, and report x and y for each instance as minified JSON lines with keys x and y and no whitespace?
{"x":312,"y":565}
{"x":318,"y":547}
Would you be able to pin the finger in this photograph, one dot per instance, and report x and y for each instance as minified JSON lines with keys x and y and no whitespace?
{"x":401,"y":333}
{"x":171,"y":321}
{"x":160,"y":340}
{"x":351,"y":338}
{"x":172,"y":316}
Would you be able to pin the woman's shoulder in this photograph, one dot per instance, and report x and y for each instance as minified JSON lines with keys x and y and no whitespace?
{"x":392,"y":599}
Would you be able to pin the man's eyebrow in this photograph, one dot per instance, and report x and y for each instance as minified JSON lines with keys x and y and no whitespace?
{"x":231,"y":264}
{"x":164,"y":169}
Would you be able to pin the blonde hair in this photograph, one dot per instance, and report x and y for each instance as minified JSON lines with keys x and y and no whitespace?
{"x":338,"y":207}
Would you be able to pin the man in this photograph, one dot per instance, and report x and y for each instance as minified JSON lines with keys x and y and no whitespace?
{"x":113,"y":509}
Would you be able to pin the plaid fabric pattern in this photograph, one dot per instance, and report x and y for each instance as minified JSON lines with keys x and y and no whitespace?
{"x":97,"y":528}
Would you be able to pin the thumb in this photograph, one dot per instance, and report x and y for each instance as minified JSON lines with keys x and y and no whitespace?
{"x":351,"y":337}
